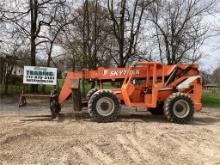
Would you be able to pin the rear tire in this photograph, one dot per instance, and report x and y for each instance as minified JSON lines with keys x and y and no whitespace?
{"x":104,"y":106}
{"x":179,"y":108}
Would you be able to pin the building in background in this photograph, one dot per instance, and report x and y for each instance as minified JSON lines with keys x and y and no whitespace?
{"x":17,"y":70}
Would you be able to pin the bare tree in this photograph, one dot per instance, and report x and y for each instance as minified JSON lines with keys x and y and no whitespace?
{"x":178,"y":28}
{"x":126,"y":17}
{"x":87,"y":39}
{"x":53,"y":18}
{"x":34,"y":18}
{"x":100,"y":33}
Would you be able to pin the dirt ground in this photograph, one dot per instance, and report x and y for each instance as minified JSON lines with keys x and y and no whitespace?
{"x":29,"y":136}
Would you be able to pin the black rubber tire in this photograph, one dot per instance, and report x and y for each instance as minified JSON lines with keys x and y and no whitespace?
{"x":91,"y":92}
{"x":158,"y":110}
{"x":95,"y":115}
{"x":169,"y":109}
{"x":55,"y":107}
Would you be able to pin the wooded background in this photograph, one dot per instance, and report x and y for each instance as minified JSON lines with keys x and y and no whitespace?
{"x":91,"y":33}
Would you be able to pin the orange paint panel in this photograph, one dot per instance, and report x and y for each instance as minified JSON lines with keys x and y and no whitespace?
{"x":152,"y":76}
{"x":66,"y":89}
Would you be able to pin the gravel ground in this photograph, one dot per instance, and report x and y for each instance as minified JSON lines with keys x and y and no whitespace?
{"x":29,"y":136}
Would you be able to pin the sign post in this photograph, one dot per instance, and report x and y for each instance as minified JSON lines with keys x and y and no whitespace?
{"x":37,"y":75}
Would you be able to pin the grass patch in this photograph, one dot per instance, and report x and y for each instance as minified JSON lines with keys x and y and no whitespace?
{"x":17,"y":89}
{"x":211,"y":99}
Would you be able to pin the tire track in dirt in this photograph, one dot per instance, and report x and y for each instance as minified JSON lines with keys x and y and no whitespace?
{"x":128,"y":141}
{"x":138,"y":147}
{"x":130,"y":149}
{"x":105,"y":159}
{"x":88,"y":159}
{"x":91,"y":154}
{"x":200,"y":142}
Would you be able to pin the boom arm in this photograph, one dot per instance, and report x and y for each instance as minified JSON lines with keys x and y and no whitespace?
{"x":109,"y":74}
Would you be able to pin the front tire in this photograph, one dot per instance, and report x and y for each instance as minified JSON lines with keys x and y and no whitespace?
{"x":91,"y":92}
{"x":104,"y":106}
{"x":179,"y":108}
{"x":55,"y":107}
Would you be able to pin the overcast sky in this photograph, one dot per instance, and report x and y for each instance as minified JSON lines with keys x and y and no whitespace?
{"x":211,"y":46}
{"x":210,"y":49}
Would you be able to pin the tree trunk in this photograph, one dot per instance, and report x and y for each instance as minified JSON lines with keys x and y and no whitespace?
{"x":33,"y":8}
{"x":6,"y":85}
{"x":122,"y":26}
{"x":49,"y":55}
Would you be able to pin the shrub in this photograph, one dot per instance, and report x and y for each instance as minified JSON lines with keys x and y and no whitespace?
{"x":15,"y":79}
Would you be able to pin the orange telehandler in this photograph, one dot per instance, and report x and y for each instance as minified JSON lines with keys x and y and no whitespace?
{"x":171,"y":90}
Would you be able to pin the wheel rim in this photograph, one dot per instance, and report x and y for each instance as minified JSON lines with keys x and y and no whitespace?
{"x":105,"y":106}
{"x":181,"y":108}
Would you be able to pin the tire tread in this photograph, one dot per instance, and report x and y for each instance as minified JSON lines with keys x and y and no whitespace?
{"x":92,"y":106}
{"x":168,"y":112}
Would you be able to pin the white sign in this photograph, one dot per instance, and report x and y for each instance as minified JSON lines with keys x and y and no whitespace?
{"x":40,"y":75}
